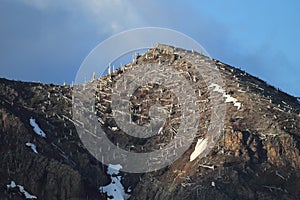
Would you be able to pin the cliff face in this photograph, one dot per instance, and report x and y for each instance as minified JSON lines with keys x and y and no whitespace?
{"x":256,"y":157}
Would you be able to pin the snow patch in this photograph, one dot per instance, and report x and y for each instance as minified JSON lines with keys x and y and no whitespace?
{"x":21,"y":189}
{"x":115,"y":189}
{"x":217,"y":88}
{"x":114,"y":169}
{"x":199,"y":148}
{"x":213,"y":184}
{"x":298,"y":99}
{"x":11,"y":185}
{"x":114,"y":128}
{"x":229,"y":99}
{"x":36,"y":127}
{"x":32,"y":146}
{"x":27,"y":195}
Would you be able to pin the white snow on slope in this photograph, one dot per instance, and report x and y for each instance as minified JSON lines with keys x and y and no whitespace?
{"x":199,"y":148}
{"x":36,"y":127}
{"x":21,"y":189}
{"x":213,"y":184}
{"x":298,"y":99}
{"x":32,"y":146}
{"x":115,"y":189}
{"x":229,"y":99}
{"x":11,"y":185}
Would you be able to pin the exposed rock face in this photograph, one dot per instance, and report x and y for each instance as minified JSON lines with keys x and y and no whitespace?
{"x":63,"y":168}
{"x":257,"y":157}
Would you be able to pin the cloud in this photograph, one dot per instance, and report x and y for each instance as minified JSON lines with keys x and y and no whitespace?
{"x":113,"y":15}
{"x":110,"y":16}
{"x":38,"y":4}
{"x":47,"y":40}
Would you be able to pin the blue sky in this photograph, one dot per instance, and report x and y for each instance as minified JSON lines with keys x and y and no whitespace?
{"x":47,"y":40}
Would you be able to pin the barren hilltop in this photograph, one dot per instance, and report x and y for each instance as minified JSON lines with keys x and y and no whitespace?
{"x":256,"y":157}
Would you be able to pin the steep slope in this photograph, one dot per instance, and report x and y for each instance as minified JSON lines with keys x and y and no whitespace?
{"x":258,"y":154}
{"x":62,"y":168}
{"x":257,"y":157}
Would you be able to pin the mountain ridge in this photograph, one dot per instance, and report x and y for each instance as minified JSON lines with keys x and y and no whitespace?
{"x":256,"y":157}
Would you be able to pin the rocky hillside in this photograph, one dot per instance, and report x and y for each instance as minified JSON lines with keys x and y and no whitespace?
{"x":256,"y":157}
